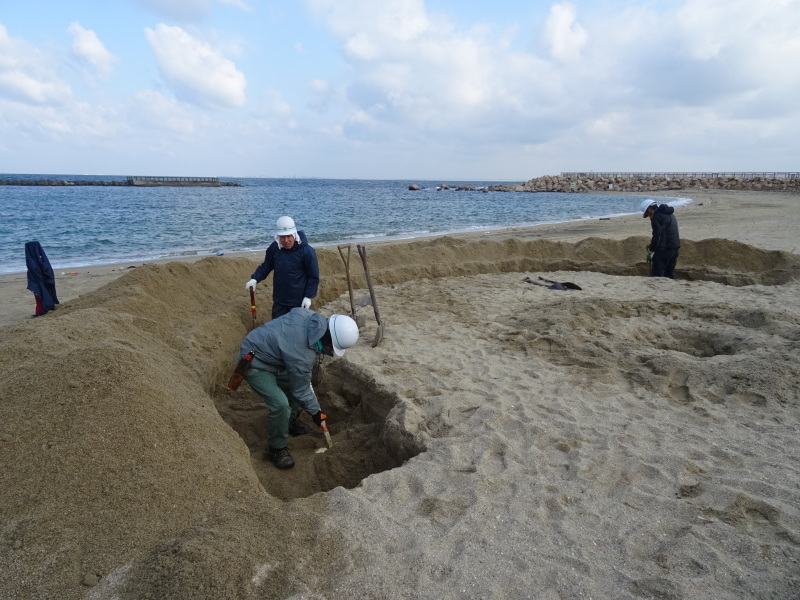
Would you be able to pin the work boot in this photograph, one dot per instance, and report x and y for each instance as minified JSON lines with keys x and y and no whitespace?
{"x":281,"y":457}
{"x":296,"y":428}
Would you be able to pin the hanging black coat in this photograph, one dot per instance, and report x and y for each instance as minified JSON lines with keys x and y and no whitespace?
{"x":41,"y":279}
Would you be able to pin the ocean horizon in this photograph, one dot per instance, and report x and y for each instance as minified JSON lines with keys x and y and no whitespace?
{"x":84,"y":226}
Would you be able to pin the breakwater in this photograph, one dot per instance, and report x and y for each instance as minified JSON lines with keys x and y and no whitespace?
{"x":588,"y":183}
{"x":127,"y":182}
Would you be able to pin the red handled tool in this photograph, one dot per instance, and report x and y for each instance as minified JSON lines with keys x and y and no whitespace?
{"x":253,"y":304}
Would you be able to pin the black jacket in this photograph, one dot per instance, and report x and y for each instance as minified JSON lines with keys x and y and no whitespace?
{"x":665,"y":230}
{"x":296,"y":272}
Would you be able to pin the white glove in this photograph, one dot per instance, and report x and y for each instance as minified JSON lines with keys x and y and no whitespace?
{"x":306,"y":303}
{"x":251,"y":284}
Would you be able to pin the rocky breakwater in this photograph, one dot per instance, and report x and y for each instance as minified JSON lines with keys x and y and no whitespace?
{"x":589,"y":184}
{"x":58,"y":182}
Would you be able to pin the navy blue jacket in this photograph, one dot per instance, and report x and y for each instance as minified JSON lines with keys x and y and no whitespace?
{"x":296,"y":272}
{"x":665,"y":230}
{"x":41,"y":279}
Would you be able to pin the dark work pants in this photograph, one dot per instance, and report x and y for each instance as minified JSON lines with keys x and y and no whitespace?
{"x":664,"y":263}
{"x":278,"y":310}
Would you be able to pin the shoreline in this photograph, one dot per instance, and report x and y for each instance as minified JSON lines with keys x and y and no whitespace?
{"x":766,"y":211}
{"x":111,"y":263}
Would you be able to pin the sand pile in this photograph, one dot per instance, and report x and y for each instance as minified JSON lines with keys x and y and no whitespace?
{"x":634,"y":439}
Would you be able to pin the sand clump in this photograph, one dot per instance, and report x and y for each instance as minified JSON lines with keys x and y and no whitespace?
{"x":635,"y":439}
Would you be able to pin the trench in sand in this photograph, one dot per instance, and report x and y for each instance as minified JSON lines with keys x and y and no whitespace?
{"x":367,"y":436}
{"x":360,"y":421}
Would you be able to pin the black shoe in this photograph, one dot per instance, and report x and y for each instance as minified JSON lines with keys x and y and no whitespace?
{"x":281,"y":458}
{"x":296,"y":428}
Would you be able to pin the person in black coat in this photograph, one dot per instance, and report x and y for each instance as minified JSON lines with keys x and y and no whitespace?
{"x":41,"y":279}
{"x":666,"y":240}
{"x":296,"y":269}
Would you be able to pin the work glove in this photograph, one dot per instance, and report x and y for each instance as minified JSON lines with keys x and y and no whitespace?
{"x":251,"y":284}
{"x":306,"y":303}
{"x":319,"y":417}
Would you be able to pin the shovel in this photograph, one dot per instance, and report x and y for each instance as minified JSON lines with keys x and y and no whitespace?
{"x":362,"y":251}
{"x":253,"y":304}
{"x":346,"y":262}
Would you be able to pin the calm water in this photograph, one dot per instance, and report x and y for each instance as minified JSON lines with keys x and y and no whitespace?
{"x":88,"y":225}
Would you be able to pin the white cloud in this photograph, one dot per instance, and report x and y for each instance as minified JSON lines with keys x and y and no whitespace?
{"x":197,"y":72}
{"x":564,"y":36}
{"x":28,"y":75}
{"x":154,"y":111}
{"x":88,"y":48}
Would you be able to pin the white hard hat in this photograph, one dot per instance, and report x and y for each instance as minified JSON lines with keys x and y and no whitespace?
{"x":344,"y":332}
{"x":647,"y":204}
{"x":286,"y":226}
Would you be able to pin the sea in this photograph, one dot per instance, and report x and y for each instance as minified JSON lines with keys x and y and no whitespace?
{"x":82,"y":226}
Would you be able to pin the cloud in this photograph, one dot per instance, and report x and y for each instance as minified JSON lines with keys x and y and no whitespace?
{"x":156,"y":112}
{"x":197,"y":72}
{"x":88,"y":49}
{"x":565,"y":38}
{"x":27,"y":75}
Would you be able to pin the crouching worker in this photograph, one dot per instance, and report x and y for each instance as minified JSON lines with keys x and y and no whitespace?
{"x":284,"y":351}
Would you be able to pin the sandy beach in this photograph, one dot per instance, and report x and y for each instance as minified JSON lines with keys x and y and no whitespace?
{"x":633,"y":439}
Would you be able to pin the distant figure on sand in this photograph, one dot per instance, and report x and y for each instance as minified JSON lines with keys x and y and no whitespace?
{"x":666,"y":241}
{"x":283,"y":352}
{"x":41,"y":279}
{"x":296,"y":270}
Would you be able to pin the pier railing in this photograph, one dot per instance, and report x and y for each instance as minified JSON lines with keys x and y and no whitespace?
{"x":696,"y":175}
{"x":131,"y":179}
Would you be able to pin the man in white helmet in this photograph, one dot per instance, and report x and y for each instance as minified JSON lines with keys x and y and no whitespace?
{"x":296,"y":270}
{"x":284,"y":351}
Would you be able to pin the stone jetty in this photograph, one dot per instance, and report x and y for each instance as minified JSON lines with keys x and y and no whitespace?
{"x":588,"y":183}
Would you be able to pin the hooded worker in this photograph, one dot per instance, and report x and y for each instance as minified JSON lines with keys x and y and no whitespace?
{"x":41,"y":279}
{"x":283,"y":352}
{"x":666,"y":241}
{"x":296,"y":270}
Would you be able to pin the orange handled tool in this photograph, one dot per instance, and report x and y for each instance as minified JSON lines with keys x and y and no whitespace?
{"x":253,"y":304}
{"x":322,"y":424}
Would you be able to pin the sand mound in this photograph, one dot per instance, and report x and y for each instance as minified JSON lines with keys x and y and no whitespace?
{"x":535,"y":429}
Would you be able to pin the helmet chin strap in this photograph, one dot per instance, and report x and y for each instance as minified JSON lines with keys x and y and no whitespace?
{"x":320,"y":349}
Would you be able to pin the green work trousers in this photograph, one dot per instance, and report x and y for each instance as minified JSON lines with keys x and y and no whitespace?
{"x":281,"y":405}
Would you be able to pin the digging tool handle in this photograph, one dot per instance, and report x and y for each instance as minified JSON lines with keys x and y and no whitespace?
{"x":240,"y":371}
{"x":347,"y":272}
{"x":253,"y":305}
{"x":362,"y":251}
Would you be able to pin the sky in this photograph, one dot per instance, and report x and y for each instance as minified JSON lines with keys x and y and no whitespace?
{"x":398,"y":89}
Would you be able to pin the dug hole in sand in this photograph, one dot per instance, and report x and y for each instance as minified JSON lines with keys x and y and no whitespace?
{"x":633,"y":439}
